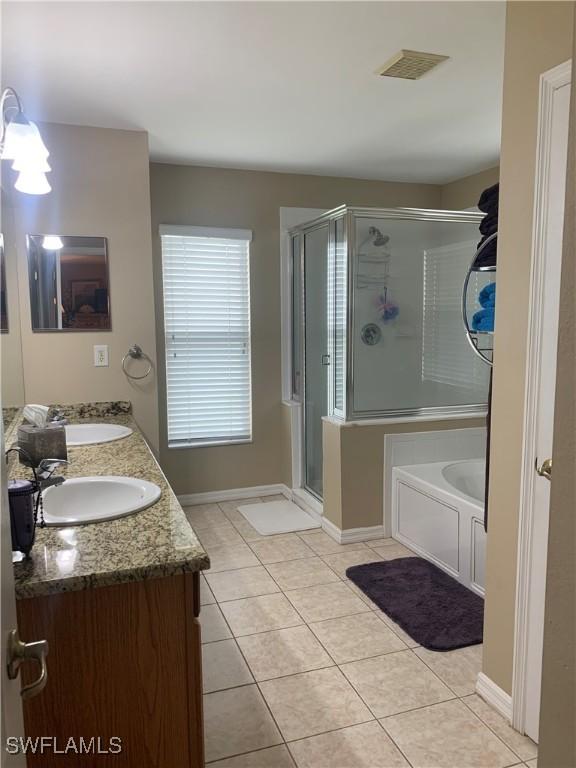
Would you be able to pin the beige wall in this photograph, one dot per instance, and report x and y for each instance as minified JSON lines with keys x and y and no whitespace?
{"x":228,"y":198}
{"x":12,"y":372}
{"x":538,"y":37}
{"x":465,"y":193}
{"x":558,"y":709}
{"x":100,"y":186}
{"x":354,"y":467}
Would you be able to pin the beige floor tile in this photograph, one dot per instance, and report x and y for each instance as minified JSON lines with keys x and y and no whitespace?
{"x":248,"y":532}
{"x":260,"y":614}
{"x":358,"y":592}
{"x":237,"y":721}
{"x":524,"y":747}
{"x":213,"y":625}
{"x":393,"y":551}
{"x":246,"y":582}
{"x":447,"y":735}
{"x":313,"y":702}
{"x":322,"y":544}
{"x":356,"y":637}
{"x":275,"y":549}
{"x":294,"y":574}
{"x":273,"y":757}
{"x":220,"y":536}
{"x":326,"y":601}
{"x":458,"y":669}
{"x":229,"y":557}
{"x":395,"y":683}
{"x":223,"y":666}
{"x":283,"y":652}
{"x":206,"y":596}
{"x":343,"y":560}
{"x":532,"y":763}
{"x":205,"y":516}
{"x":396,"y":628}
{"x":359,"y":746}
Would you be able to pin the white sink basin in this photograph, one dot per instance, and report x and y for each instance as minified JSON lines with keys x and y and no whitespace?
{"x":84,"y":500}
{"x":89,"y":434}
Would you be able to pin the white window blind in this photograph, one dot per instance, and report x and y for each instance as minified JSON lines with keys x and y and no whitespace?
{"x":206,"y":276}
{"x":446,"y":355}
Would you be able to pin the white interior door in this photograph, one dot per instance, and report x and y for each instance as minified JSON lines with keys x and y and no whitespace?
{"x":544,"y":423}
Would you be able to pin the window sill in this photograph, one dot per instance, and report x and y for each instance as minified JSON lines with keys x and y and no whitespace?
{"x":208,"y":444}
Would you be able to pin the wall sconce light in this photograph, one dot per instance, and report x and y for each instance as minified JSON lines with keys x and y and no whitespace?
{"x":21,"y":142}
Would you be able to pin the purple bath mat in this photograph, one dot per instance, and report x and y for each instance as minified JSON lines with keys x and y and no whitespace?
{"x":433,"y":608}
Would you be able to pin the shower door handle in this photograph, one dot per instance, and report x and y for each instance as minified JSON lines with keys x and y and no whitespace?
{"x":325,"y":359}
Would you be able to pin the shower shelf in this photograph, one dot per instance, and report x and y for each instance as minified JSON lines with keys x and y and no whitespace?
{"x":485,"y":353}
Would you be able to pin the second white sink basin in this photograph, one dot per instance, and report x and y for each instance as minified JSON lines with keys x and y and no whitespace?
{"x":89,"y":434}
{"x":84,"y":500}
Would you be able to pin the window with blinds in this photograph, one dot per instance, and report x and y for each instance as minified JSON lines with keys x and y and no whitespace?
{"x":206,"y":276}
{"x":446,"y":354}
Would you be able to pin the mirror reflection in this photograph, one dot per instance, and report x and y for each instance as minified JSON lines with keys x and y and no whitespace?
{"x":3,"y":295}
{"x":69,"y":284}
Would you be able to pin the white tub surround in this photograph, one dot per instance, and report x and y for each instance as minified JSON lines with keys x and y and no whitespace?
{"x":438,"y":511}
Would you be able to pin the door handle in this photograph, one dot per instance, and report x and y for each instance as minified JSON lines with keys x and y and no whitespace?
{"x":325,"y":359}
{"x":19,"y":652}
{"x":545,"y":470}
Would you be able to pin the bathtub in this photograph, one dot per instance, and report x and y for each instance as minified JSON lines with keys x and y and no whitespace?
{"x":438,"y":511}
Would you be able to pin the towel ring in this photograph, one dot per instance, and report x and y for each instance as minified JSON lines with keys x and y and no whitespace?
{"x":471,"y":335}
{"x":136,"y":353}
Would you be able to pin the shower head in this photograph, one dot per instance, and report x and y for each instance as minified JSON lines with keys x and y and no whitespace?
{"x":379,"y":238}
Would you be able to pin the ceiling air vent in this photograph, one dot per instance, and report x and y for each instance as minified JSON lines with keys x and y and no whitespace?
{"x":411,"y":65}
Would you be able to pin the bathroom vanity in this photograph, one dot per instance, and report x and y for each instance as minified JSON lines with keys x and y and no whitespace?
{"x":118,"y":603}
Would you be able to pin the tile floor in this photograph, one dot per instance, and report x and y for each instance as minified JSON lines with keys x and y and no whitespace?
{"x":301,"y":670}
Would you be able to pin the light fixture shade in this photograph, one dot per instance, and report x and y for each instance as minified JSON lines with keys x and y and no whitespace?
{"x":32,"y":183}
{"x":52,"y":243}
{"x":34,"y":164}
{"x":23,"y":140}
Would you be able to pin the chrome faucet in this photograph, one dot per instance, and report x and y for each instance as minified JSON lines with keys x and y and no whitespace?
{"x":45,"y":473}
{"x":56,"y":416}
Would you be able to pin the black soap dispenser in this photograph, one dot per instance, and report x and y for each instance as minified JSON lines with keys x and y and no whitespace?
{"x":21,"y":497}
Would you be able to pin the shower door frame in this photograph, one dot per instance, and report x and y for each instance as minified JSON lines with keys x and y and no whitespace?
{"x":349,"y":215}
{"x":304,"y":230}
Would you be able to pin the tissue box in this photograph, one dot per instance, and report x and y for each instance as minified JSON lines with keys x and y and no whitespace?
{"x":47,"y":442}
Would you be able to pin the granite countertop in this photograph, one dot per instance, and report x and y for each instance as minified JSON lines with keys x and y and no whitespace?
{"x":156,"y":542}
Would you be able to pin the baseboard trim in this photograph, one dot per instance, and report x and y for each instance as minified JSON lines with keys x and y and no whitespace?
{"x":352,"y":535}
{"x":494,"y":695}
{"x":255,"y":491}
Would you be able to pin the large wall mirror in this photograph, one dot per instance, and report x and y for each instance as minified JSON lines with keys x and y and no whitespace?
{"x":69,"y":283}
{"x":3,"y":291}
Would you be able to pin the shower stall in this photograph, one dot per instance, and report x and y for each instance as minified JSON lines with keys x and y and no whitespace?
{"x":377,"y":320}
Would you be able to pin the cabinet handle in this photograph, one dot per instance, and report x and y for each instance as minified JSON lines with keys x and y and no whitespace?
{"x":19,"y":652}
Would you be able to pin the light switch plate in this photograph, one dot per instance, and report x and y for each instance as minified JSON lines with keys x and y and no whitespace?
{"x":101,"y":355}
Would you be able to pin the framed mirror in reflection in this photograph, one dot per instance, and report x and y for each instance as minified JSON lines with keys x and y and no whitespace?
{"x":69,"y":283}
{"x":3,"y":296}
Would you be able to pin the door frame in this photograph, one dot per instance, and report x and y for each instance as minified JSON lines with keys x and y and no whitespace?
{"x":550,"y":82}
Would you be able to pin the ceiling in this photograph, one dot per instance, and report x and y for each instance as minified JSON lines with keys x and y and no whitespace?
{"x":282,"y":86}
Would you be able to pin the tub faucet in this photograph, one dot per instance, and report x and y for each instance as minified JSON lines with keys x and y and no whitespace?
{"x":45,"y":473}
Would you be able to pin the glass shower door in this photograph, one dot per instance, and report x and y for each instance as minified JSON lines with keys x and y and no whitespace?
{"x":316,"y":358}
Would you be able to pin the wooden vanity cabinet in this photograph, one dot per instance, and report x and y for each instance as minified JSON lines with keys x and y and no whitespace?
{"x":124,"y":661}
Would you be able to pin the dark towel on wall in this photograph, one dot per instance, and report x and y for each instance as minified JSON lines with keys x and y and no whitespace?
{"x":489,"y":198}
{"x":487,"y":257}
{"x":489,"y":224}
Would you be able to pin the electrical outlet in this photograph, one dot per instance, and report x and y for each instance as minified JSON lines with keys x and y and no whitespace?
{"x":101,"y":355}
